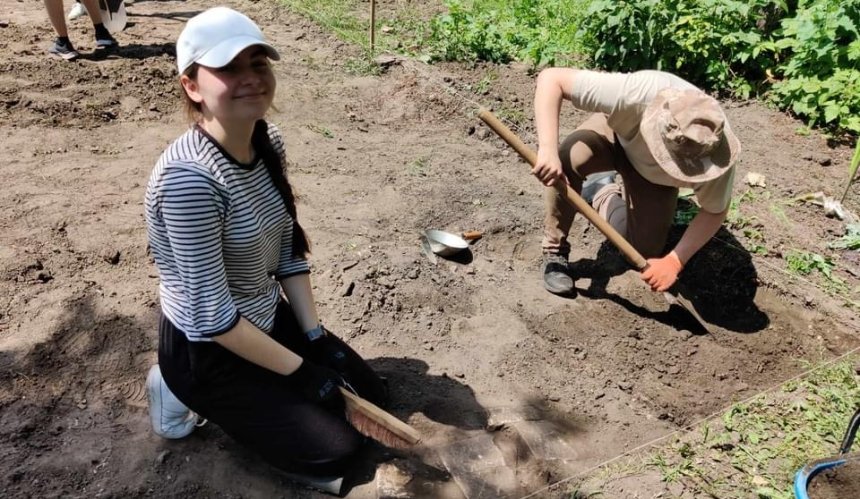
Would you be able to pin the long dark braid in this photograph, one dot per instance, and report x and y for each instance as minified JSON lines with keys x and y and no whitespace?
{"x":274,"y":165}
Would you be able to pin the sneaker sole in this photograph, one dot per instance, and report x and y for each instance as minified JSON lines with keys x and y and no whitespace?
{"x":66,"y":56}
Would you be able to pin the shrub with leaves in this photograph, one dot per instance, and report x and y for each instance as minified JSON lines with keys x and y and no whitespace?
{"x":713,"y":43}
{"x":805,"y":53}
{"x":821,"y":73}
{"x":538,"y":31}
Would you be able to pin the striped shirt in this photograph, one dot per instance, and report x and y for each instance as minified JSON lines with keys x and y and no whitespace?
{"x":220,"y":235}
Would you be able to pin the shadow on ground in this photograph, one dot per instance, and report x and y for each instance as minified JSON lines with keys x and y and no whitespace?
{"x":720,"y":281}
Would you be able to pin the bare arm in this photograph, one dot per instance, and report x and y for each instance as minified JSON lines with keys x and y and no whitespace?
{"x":552,"y":87}
{"x":298,"y":291}
{"x":701,"y":229}
{"x":252,"y":344}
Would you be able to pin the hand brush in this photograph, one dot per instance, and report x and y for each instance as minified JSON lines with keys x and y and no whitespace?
{"x":375,"y":423}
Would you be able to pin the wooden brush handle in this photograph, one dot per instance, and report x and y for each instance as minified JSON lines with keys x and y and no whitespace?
{"x":567,"y":191}
{"x":384,"y":419}
{"x":471,"y":235}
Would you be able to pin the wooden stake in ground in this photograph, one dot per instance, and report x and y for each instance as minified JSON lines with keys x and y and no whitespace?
{"x":372,"y":27}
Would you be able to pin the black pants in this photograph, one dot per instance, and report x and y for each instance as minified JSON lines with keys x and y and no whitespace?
{"x":255,"y":406}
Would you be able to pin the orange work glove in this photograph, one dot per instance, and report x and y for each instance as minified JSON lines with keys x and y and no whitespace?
{"x":661,"y":273}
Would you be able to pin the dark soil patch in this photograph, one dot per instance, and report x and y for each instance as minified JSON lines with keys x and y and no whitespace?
{"x":840,"y":482}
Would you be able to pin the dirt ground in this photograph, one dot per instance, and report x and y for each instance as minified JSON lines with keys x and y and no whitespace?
{"x":375,"y":159}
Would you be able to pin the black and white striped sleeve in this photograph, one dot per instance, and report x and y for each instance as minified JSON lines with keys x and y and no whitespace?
{"x":193,"y":213}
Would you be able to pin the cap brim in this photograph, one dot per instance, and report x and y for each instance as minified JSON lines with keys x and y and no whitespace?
{"x":220,"y":55}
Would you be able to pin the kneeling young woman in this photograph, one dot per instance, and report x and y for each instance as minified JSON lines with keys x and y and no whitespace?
{"x":222,"y":228}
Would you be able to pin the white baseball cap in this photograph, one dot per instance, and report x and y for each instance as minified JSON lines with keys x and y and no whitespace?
{"x":214,"y":37}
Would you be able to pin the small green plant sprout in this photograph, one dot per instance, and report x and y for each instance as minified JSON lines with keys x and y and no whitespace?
{"x":735,"y":218}
{"x":511,"y":115}
{"x":325,"y":132}
{"x":804,"y":263}
{"x":350,"y":245}
{"x":418,"y":167}
{"x":852,"y":171}
{"x":778,"y":211}
{"x":483,"y":86}
{"x":362,"y":66}
{"x":849,"y":241}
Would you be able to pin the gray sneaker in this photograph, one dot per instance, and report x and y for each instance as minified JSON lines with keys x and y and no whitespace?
{"x":594,"y":182}
{"x":64,"y":50}
{"x":556,"y":276}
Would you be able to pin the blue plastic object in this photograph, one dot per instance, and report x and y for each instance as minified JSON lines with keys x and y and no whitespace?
{"x":805,"y":475}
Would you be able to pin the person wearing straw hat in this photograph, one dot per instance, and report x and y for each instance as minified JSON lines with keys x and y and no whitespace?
{"x":655,"y":131}
{"x":222,"y":228}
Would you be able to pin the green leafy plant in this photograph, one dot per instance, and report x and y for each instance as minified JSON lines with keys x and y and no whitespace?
{"x":715,"y":43}
{"x":804,"y":263}
{"x":542,"y":32}
{"x":849,"y":241}
{"x":804,"y":54}
{"x":820,"y":75}
{"x":852,"y":170}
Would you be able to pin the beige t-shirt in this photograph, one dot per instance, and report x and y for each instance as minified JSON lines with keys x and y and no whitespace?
{"x":623,"y":97}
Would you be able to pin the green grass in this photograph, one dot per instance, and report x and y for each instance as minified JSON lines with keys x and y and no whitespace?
{"x":755,"y":448}
{"x":338,"y":17}
{"x":349,"y":20}
{"x":362,"y":66}
{"x":542,"y":32}
{"x":513,"y":115}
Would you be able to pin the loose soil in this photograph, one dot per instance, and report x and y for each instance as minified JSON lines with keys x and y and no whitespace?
{"x":375,"y":159}
{"x":841,"y":482}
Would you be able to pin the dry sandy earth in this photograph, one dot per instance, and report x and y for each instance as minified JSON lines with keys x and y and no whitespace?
{"x":477,"y":352}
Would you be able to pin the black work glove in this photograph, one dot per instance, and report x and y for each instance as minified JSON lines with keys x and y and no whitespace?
{"x":332,"y":352}
{"x":319,"y":384}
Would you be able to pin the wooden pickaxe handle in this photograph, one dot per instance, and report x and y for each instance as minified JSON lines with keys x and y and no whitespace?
{"x":572,"y":196}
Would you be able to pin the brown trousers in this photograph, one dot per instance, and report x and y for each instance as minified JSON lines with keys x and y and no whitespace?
{"x":640,"y":211}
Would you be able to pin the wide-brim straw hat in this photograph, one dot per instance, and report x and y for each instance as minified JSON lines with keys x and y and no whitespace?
{"x":689,"y":136}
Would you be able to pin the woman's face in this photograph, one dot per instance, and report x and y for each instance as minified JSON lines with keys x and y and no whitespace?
{"x":242,"y":90}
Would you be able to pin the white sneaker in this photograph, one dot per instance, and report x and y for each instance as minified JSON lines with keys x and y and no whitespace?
{"x":170,"y":418}
{"x":77,"y":11}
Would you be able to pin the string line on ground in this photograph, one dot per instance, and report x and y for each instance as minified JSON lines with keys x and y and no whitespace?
{"x":690,"y":427}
